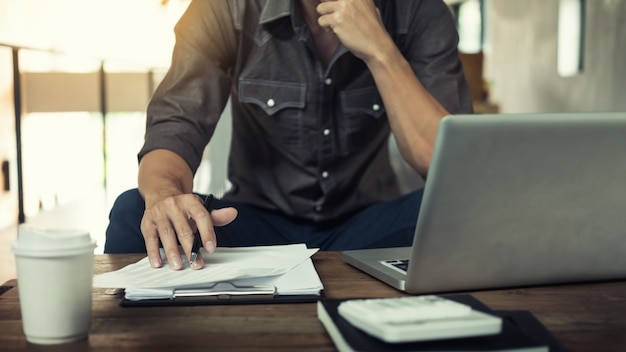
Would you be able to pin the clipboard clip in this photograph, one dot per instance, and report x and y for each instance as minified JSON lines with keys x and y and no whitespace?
{"x":226,"y":291}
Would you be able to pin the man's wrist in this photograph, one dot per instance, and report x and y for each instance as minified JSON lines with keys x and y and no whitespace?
{"x":153,"y":197}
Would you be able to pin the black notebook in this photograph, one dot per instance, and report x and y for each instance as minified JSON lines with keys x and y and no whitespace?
{"x":520,"y":332}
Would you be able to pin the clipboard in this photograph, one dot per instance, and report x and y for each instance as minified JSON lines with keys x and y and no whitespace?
{"x":221,"y":293}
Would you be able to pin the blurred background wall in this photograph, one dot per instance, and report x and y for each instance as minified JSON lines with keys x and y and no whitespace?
{"x":88,"y":67}
{"x":521,"y":64}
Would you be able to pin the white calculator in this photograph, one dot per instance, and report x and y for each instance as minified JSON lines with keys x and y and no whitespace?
{"x":417,"y":318}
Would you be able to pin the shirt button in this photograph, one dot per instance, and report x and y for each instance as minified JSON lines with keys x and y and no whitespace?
{"x":326,"y":132}
{"x":271,"y":103}
{"x":325,"y":174}
{"x":376,"y":107}
{"x":328,"y":81}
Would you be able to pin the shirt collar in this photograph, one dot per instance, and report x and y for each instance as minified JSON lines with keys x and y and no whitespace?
{"x":274,"y":9}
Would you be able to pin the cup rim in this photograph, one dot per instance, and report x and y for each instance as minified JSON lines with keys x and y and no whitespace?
{"x":53,"y":252}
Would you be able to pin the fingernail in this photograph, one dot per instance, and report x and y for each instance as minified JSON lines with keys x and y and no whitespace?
{"x":176,"y":263}
{"x":155,"y":262}
{"x":197,"y":264}
{"x":209,"y":246}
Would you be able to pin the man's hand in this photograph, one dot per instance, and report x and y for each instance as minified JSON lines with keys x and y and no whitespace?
{"x":172,"y":211}
{"x":357,"y":24}
{"x":177,"y":217}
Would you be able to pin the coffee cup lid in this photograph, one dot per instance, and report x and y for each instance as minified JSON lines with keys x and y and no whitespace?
{"x":37,"y":241}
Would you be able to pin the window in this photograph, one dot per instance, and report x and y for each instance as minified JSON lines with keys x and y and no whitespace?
{"x":571,"y":37}
{"x":469,"y":15}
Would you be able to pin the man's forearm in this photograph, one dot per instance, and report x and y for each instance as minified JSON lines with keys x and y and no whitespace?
{"x":163,"y":173}
{"x":413,"y":113}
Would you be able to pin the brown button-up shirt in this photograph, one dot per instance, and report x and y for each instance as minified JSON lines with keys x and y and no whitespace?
{"x":309,"y":140}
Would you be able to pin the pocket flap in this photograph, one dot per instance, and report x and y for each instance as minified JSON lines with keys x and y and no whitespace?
{"x":272,"y":96}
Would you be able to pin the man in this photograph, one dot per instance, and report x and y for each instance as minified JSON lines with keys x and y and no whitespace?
{"x":316,"y":87}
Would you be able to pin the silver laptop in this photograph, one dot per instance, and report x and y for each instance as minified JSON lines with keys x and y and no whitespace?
{"x":515,"y":200}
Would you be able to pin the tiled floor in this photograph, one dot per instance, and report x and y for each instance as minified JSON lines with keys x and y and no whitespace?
{"x":90,"y":214}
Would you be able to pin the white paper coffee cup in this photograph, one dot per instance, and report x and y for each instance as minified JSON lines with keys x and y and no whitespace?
{"x":54,"y":275}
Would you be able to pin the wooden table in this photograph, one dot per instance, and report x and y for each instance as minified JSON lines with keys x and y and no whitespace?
{"x":585,"y":317}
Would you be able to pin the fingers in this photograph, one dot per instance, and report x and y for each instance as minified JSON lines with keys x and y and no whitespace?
{"x":219,"y":217}
{"x":200,"y":216}
{"x":151,"y":238}
{"x":176,"y":220}
{"x":347,"y":15}
{"x":330,"y":14}
{"x":223,"y":216}
{"x":173,"y":221}
{"x":357,"y":24}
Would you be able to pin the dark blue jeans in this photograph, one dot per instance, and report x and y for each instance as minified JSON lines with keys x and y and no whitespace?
{"x":385,"y":224}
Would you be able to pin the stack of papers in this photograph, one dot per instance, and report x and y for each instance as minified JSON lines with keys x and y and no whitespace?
{"x":288,"y":269}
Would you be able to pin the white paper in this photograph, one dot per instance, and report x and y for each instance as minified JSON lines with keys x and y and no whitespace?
{"x":301,"y":280}
{"x":225,"y":264}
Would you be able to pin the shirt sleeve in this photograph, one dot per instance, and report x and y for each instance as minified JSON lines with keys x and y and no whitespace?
{"x":184,"y":109}
{"x":429,"y":41}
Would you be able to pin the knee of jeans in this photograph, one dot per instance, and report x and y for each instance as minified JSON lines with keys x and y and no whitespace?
{"x":123,"y":235}
{"x":128,"y":202}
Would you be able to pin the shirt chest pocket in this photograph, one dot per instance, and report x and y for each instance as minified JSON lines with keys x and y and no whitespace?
{"x":277,"y":107}
{"x":364,"y":101}
{"x":361,"y":120}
